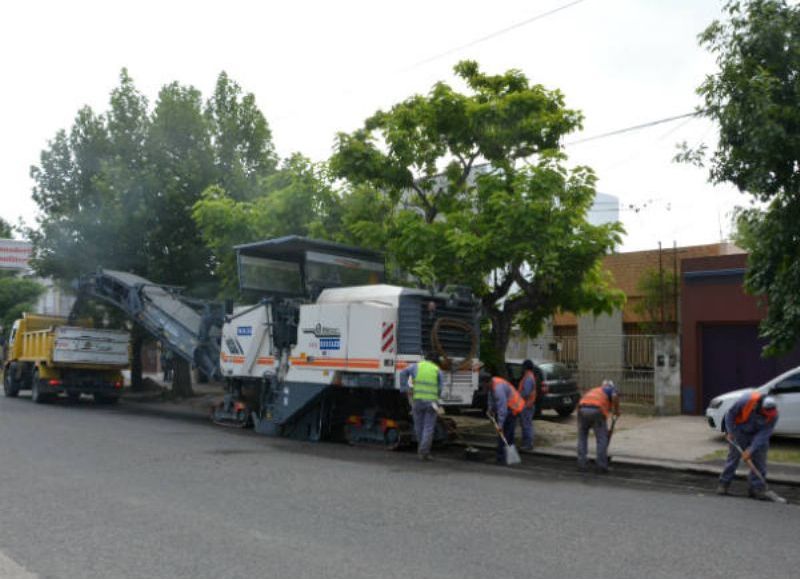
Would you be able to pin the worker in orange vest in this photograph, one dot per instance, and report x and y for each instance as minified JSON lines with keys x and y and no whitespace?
{"x":749,"y":424}
{"x":593,"y":410}
{"x":527,"y":389}
{"x":505,"y":403}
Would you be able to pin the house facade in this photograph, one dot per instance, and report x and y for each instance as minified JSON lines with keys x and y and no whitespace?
{"x":721,"y":349}
{"x":623,"y":346}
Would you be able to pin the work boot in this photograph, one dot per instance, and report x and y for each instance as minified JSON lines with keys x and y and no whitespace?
{"x":722,"y":488}
{"x":527,"y":448}
{"x":603,"y":470}
{"x":757,"y":494}
{"x":425,"y":457}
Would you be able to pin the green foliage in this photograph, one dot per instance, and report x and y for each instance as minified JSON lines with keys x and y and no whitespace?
{"x":774,"y":268}
{"x":241,"y":139}
{"x":754,"y":98}
{"x":658,"y":296}
{"x":472,"y":190}
{"x":364,"y":212}
{"x":424,"y":149}
{"x":17,"y":295}
{"x":299,"y":199}
{"x":117,"y":190}
{"x":181,"y":157}
{"x":6,"y":229}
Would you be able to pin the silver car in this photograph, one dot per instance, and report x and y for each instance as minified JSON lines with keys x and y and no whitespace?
{"x":784,"y":388}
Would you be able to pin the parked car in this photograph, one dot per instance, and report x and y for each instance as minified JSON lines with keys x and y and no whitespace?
{"x":558,"y":389}
{"x":785,"y":388}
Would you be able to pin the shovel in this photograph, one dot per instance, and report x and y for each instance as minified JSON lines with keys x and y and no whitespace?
{"x":512,"y":455}
{"x":772,"y":495}
{"x":610,"y":434}
{"x":611,"y":430}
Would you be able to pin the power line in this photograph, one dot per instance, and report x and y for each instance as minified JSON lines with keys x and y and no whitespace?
{"x":493,"y":34}
{"x":633,"y":128}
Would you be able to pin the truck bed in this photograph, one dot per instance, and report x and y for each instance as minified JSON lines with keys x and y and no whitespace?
{"x":90,"y":346}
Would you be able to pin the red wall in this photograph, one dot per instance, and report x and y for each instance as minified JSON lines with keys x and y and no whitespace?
{"x":711,"y":293}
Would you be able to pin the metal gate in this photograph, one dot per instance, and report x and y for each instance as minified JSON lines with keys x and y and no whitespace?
{"x":627,"y":359}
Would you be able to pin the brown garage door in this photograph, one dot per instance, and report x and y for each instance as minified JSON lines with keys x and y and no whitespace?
{"x":731,"y":359}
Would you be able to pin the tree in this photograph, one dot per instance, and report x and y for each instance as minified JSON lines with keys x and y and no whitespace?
{"x":754,"y":98}
{"x":480,"y":196}
{"x":117,"y":189}
{"x":658,"y":299}
{"x":178,"y":147}
{"x":72,"y":208}
{"x":6,"y":229}
{"x":299,"y":199}
{"x":17,"y":295}
{"x":241,"y":139}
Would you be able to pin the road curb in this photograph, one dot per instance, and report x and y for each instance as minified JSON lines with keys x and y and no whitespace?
{"x":172,"y":409}
{"x":638,"y":462}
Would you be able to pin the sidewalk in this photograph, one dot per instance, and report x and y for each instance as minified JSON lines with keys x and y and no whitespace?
{"x":676,"y":443}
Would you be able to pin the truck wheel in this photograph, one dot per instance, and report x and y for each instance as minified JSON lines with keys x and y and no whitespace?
{"x":10,"y":386}
{"x":37,"y":395}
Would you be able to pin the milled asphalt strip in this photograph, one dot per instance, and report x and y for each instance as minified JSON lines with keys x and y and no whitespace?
{"x":10,"y":570}
{"x":634,"y":473}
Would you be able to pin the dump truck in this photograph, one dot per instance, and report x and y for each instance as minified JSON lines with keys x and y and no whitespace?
{"x":49,"y":357}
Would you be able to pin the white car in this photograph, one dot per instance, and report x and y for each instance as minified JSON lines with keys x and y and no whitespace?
{"x":784,"y":388}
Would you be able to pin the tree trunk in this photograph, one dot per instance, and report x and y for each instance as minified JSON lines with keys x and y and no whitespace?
{"x":136,"y":361}
{"x":501,"y":334}
{"x":182,"y":378}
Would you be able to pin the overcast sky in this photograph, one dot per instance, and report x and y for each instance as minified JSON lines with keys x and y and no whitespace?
{"x":320,"y":67}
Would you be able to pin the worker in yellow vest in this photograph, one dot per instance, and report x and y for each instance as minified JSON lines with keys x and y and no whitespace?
{"x":426,"y":388}
{"x":593,"y":410}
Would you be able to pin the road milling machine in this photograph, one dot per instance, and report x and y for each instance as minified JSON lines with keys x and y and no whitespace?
{"x":318,"y":354}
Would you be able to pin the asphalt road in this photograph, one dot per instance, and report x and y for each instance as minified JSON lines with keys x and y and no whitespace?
{"x":104,"y":492}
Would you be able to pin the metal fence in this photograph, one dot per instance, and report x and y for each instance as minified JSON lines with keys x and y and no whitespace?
{"x":625,"y":359}
{"x":634,"y":385}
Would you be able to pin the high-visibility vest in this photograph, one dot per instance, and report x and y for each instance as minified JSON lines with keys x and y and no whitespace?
{"x":426,"y":382}
{"x":596,"y":397}
{"x":529,"y":401}
{"x":514,"y":402}
{"x":747,"y":409}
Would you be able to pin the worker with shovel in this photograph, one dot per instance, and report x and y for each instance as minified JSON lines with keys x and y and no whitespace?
{"x":749,"y":424}
{"x":426,"y":389}
{"x":593,"y":410}
{"x":505,"y":404}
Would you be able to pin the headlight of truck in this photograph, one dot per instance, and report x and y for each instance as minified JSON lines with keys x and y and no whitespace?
{"x":715,"y":403}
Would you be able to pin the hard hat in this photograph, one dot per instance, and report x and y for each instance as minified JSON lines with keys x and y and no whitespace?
{"x":769,"y":403}
{"x":607,"y":382}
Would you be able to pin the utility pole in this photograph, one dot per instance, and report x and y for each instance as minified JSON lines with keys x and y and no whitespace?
{"x":675,"y":282}
{"x":661,"y":285}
